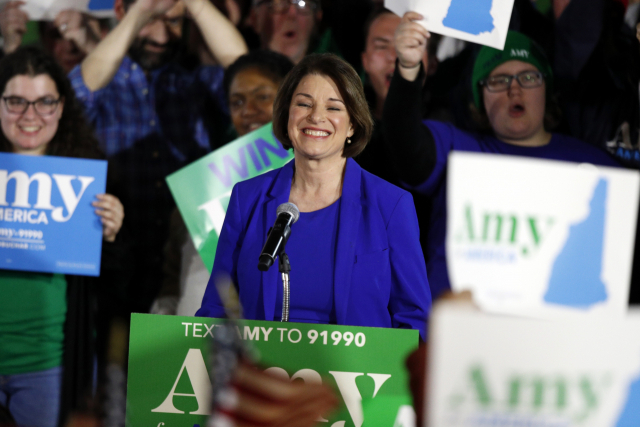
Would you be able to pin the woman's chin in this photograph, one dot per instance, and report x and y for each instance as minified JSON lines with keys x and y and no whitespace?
{"x":29,"y":148}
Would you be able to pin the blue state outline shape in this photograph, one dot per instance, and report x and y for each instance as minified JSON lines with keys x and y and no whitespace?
{"x":470,"y":16}
{"x":575,"y":279}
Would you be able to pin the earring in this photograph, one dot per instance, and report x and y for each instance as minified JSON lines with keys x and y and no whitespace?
{"x":348,"y":140}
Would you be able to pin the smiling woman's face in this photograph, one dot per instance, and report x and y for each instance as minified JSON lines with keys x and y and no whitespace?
{"x":30,"y":132}
{"x":251,"y":97}
{"x":319,"y":123}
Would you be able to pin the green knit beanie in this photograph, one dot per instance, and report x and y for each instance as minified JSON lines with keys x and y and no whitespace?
{"x":517,"y":47}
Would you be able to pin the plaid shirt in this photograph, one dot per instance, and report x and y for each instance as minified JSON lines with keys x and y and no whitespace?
{"x":149,"y":128}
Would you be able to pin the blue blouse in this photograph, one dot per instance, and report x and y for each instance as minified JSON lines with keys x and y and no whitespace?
{"x":312,"y":266}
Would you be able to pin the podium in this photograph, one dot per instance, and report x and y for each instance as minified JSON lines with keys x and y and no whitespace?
{"x":169,"y":380}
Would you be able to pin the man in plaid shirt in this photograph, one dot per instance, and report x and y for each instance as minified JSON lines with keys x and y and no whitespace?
{"x":153,"y":116}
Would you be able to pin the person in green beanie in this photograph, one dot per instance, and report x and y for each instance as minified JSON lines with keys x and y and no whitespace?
{"x":512,"y":100}
{"x":512,"y":89}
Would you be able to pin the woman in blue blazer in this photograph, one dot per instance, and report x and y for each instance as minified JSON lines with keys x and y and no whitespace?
{"x":355,"y":252}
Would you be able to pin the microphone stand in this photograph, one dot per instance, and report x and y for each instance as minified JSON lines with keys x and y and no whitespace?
{"x":284,"y":267}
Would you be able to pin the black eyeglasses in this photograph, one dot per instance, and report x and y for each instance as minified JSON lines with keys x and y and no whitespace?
{"x":44,"y":106}
{"x":304,"y":7}
{"x":501,"y":82}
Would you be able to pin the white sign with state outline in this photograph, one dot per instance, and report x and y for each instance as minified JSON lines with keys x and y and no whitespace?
{"x":540,"y":238}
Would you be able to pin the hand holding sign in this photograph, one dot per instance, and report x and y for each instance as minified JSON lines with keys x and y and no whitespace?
{"x":111,"y":214}
{"x":478,"y":21}
{"x":411,"y":43}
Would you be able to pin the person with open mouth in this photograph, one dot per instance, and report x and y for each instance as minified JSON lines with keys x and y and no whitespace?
{"x":512,"y":105}
{"x":286,"y":26}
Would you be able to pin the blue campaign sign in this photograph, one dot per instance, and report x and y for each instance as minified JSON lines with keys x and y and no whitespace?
{"x":47,"y":223}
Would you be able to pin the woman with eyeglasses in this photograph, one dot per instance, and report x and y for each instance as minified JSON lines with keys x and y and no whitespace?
{"x":512,"y":101}
{"x":46,"y":357}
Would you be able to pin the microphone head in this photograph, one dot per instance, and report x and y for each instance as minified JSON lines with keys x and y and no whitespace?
{"x":291,"y":209}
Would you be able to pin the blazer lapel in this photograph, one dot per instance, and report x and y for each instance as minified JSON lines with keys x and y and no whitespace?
{"x":277,"y":194}
{"x":350,"y":210}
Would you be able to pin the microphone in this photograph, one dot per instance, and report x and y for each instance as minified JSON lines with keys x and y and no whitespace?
{"x":288,"y":214}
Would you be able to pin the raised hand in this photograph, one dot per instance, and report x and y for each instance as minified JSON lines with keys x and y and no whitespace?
{"x":82,"y":29}
{"x":411,"y":44}
{"x":13,"y":25}
{"x":111,"y":213}
{"x":153,"y":8}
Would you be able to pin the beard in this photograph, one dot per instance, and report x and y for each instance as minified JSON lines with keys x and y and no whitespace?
{"x":149,"y":61}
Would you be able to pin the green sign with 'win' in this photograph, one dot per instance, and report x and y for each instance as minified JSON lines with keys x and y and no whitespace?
{"x":203,"y":188}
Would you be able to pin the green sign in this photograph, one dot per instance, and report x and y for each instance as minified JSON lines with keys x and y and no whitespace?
{"x":169,"y":385}
{"x":202,"y":189}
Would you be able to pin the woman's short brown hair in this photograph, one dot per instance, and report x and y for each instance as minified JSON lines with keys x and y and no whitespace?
{"x":350,"y":88}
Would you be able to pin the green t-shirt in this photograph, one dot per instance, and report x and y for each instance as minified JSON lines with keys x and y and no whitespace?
{"x":33,"y":307}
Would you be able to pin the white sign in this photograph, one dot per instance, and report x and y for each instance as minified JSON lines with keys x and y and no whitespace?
{"x":489,"y":370}
{"x":47,"y":10}
{"x":478,"y":21}
{"x":540,"y":238}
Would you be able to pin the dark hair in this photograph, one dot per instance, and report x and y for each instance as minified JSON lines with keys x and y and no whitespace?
{"x":273,"y":65}
{"x":350,"y":88}
{"x":74,"y":137}
{"x":375,"y":13}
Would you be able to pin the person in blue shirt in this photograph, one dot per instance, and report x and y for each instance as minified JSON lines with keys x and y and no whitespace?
{"x":152,"y":115}
{"x":355,"y":252}
{"x":513,"y":105}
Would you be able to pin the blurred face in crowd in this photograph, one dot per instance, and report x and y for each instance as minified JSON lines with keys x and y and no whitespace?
{"x":379,"y":57}
{"x":28,"y":127}
{"x":319,"y":122}
{"x":158,"y":41}
{"x":286,"y":26}
{"x":65,"y":52}
{"x":251,"y":96}
{"x":515,"y":114}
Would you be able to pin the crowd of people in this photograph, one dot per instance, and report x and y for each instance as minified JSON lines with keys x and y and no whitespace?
{"x":368,"y":101}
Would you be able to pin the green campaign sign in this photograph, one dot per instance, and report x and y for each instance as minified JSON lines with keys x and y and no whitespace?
{"x":203,"y":188}
{"x":169,"y":383}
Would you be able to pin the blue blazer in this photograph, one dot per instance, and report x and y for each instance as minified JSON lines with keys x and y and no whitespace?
{"x":380,"y":277}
